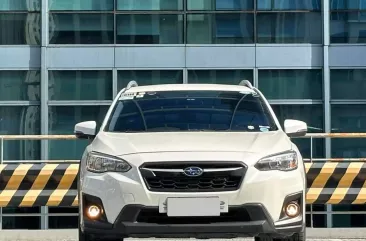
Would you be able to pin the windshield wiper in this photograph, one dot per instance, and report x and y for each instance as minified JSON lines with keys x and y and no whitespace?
{"x":236,"y":108}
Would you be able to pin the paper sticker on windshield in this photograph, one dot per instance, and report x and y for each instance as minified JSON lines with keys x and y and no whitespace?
{"x":140,"y":95}
{"x":263,"y":129}
{"x":127,"y":96}
{"x":251,"y":127}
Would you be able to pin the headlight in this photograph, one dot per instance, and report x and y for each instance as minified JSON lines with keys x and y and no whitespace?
{"x":282,"y":162}
{"x":102,"y":163}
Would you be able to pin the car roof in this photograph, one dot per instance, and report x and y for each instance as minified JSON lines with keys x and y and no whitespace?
{"x":183,"y":87}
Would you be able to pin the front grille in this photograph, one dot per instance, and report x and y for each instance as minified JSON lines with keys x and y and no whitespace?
{"x":170,"y":177}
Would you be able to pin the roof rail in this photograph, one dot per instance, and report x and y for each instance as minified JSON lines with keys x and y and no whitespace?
{"x":246,"y":83}
{"x":131,"y":84}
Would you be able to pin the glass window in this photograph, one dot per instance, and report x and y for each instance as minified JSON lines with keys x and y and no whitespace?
{"x":348,"y":83}
{"x":348,"y":220}
{"x":91,"y":5}
{"x":16,"y":223}
{"x":62,"y":120}
{"x":277,"y":27}
{"x":79,"y":28}
{"x":20,"y":28}
{"x":149,"y":29}
{"x":220,"y":5}
{"x":233,"y":77}
{"x":319,"y":220}
{"x":348,"y":27}
{"x":13,"y":210}
{"x":146,"y":5}
{"x":347,"y":4}
{"x":63,"y":222}
{"x":26,"y":222}
{"x":20,"y":85}
{"x":289,"y":5}
{"x":191,"y":111}
{"x":20,"y":120}
{"x":63,"y":210}
{"x":347,"y":119}
{"x":149,"y":77}
{"x":20,"y":5}
{"x":80,"y":85}
{"x":291,"y":84}
{"x":220,"y":28}
{"x":313,"y":115}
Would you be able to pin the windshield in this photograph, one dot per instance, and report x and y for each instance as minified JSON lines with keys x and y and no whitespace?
{"x":166,"y":111}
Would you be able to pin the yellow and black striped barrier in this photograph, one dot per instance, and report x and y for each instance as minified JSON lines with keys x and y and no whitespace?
{"x":27,"y":185}
{"x":336,"y":183}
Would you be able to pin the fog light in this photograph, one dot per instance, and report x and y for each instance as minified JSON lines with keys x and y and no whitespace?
{"x":292,"y":209}
{"x":93,"y":212}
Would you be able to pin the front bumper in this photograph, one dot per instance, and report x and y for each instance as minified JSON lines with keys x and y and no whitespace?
{"x":116,"y":190}
{"x":140,"y":221}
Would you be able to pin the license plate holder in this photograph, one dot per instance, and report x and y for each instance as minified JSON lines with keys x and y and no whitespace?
{"x":193,"y":206}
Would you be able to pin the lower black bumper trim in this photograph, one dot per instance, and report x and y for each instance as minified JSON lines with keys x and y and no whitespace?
{"x":217,"y":230}
{"x":126,"y":226}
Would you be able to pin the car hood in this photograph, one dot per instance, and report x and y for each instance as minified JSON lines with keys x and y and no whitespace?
{"x":119,"y":144}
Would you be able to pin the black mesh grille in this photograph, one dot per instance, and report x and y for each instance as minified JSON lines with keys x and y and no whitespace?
{"x":224,"y":182}
{"x":170,"y":177}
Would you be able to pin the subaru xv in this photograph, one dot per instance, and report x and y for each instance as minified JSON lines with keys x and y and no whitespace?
{"x":191,"y":161}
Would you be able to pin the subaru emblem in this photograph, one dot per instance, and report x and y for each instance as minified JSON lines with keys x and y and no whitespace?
{"x":193,"y":171}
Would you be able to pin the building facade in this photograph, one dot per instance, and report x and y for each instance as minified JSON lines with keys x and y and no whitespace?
{"x":63,"y":61}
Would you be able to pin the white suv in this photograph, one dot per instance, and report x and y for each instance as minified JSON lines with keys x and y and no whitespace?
{"x":191,"y":160}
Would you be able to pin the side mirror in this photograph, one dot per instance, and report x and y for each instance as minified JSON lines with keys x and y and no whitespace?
{"x":295,"y":128}
{"x":85,"y":130}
